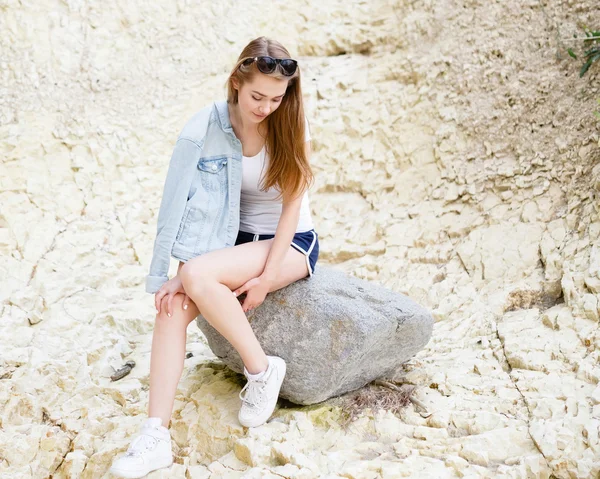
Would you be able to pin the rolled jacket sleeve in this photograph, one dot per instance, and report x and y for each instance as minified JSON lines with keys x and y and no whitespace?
{"x":177,"y":184}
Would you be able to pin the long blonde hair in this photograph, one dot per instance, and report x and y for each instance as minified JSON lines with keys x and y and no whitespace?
{"x":289,"y":170}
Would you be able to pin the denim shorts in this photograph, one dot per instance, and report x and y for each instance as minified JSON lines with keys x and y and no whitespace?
{"x":306,"y":242}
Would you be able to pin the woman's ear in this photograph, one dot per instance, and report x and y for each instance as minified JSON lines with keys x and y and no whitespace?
{"x":235,"y":83}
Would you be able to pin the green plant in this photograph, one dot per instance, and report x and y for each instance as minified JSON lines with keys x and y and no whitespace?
{"x":591,"y":55}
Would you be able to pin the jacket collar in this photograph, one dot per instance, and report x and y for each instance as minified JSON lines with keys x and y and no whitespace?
{"x":223,"y":113}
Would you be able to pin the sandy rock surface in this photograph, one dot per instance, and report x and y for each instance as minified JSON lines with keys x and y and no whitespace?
{"x":457,"y":162}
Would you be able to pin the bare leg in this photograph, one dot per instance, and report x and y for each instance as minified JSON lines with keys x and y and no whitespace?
{"x":209,"y":280}
{"x":167,"y":357}
{"x":221,"y":271}
{"x":224,"y":312}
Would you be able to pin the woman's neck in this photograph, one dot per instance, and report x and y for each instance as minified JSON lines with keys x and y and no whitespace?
{"x":242,"y":128}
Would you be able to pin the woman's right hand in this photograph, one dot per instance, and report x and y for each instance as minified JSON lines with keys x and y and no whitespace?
{"x":169,"y":290}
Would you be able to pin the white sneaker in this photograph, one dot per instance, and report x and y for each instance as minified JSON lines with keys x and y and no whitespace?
{"x":262,"y":391}
{"x":149,"y":451}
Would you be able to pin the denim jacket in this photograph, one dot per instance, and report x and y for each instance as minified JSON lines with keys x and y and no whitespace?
{"x":200,"y":206}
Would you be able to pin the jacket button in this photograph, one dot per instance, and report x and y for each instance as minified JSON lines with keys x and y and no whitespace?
{"x":214,"y":167}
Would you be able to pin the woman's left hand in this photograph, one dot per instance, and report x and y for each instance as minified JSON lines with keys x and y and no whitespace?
{"x":256,"y":290}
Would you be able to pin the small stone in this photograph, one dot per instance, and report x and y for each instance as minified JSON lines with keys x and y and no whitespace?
{"x":475,"y":455}
{"x":197,"y":472}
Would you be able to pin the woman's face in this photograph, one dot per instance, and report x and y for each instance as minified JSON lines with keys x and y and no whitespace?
{"x":261,"y":96}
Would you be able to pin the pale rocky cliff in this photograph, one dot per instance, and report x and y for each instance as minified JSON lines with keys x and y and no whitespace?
{"x":457,"y":161}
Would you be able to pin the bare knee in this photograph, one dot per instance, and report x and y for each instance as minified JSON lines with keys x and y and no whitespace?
{"x":179,"y":316}
{"x":195,"y":279}
{"x":178,"y":321}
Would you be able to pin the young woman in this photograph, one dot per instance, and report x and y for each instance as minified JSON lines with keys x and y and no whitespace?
{"x":235,"y":212}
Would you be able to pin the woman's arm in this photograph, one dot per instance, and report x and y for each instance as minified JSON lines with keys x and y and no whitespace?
{"x":286,"y":228}
{"x":288,"y":222}
{"x":175,"y":191}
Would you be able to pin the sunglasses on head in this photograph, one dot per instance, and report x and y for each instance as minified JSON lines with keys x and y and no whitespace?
{"x":267,"y":64}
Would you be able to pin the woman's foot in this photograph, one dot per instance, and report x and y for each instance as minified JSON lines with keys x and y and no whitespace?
{"x":149,"y":451}
{"x":262,"y":391}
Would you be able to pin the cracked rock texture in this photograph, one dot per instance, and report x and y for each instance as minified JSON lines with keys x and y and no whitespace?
{"x":457,"y":162}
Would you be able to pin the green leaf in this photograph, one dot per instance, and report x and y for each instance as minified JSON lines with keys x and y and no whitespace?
{"x":585,"y":68}
{"x":597,"y":113}
{"x":587,"y":64}
{"x":570,"y":50}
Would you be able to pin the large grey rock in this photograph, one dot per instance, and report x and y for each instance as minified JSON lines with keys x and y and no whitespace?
{"x":335,"y":332}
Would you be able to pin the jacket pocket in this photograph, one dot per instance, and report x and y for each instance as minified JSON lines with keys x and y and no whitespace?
{"x":212,"y":165}
{"x":213,"y":176}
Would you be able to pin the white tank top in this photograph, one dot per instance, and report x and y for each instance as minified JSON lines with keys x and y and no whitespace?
{"x":260,"y":211}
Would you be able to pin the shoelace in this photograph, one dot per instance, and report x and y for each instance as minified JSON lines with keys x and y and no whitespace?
{"x":141,"y":444}
{"x":255,"y":392}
